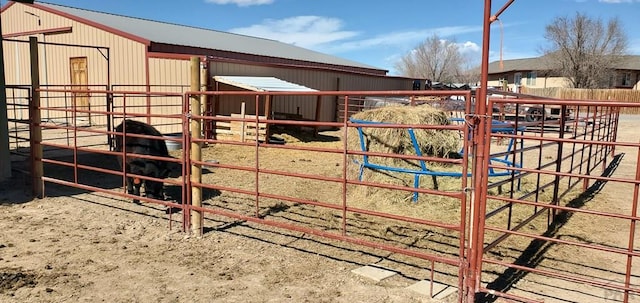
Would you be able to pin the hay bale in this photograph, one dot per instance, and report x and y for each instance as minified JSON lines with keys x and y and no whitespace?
{"x":432,"y":142}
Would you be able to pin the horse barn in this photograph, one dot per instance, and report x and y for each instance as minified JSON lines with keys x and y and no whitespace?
{"x":101,"y":51}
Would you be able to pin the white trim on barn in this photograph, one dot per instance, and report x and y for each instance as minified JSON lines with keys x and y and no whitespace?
{"x":262,"y":84}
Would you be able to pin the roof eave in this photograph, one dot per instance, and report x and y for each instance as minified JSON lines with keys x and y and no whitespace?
{"x":112,"y":30}
{"x":201,"y":51}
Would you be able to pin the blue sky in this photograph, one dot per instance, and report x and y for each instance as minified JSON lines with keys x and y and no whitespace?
{"x":377,"y":32}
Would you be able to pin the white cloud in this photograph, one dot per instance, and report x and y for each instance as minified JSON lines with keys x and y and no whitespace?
{"x":403,"y":40}
{"x":468,"y":47}
{"x":303,"y":31}
{"x":328,"y":35}
{"x":241,"y":2}
{"x":618,"y":1}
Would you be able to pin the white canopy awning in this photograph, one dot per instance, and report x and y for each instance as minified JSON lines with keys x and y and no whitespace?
{"x":262,"y":84}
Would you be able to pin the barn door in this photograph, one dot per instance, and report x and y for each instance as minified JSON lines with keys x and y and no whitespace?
{"x":80,"y":81}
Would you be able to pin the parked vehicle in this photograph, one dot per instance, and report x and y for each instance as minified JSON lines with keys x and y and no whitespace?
{"x":530,"y":112}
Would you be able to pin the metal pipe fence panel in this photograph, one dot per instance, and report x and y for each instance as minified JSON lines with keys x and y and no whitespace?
{"x":552,"y":188}
{"x":572,"y":225}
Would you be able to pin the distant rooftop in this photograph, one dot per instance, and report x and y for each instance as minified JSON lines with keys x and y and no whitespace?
{"x":525,"y":64}
{"x":629,"y":62}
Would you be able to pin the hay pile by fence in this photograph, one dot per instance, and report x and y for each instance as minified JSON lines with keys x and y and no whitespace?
{"x":397,"y":141}
{"x":432,"y":142}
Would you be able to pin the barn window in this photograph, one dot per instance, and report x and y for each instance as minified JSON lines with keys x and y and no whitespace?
{"x":531,"y":78}
{"x":626,"y":79}
{"x":517,"y":78}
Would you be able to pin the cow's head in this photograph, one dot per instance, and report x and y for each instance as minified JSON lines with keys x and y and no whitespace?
{"x":172,"y":170}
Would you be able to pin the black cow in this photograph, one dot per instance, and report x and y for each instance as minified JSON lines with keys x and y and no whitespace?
{"x":141,"y":166}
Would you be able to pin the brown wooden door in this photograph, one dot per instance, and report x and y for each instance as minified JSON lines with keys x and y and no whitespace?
{"x":80,"y":81}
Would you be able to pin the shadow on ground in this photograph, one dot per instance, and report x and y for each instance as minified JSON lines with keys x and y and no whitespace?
{"x":287,"y":133}
{"x":86,"y":169}
{"x":534,"y":254}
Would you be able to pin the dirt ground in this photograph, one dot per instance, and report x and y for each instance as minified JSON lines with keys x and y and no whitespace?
{"x":78,"y":246}
{"x":87,"y":248}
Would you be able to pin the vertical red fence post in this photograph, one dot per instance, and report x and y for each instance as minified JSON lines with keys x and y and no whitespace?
{"x":632,"y":231}
{"x":476,"y":211}
{"x":482,"y":140}
{"x":186,"y":165}
{"x":257,"y":146}
{"x":464,"y":199}
{"x":556,"y":187}
{"x":345,"y":159}
{"x":614,"y":135}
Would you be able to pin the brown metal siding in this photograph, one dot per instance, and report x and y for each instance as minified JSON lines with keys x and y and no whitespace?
{"x":313,"y":78}
{"x":168,"y":76}
{"x":169,"y":72}
{"x":126,"y":56}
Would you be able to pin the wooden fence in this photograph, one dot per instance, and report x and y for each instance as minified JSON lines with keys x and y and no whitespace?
{"x":242,"y":130}
{"x":625,"y":95}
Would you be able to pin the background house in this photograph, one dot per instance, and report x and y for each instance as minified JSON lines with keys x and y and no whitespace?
{"x":99,"y":51}
{"x":538,"y":73}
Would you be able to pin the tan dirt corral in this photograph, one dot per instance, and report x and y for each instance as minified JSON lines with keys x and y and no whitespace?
{"x":86,"y":247}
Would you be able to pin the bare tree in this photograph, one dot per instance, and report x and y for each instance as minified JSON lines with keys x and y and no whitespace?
{"x":435,"y":59}
{"x":584,"y":50}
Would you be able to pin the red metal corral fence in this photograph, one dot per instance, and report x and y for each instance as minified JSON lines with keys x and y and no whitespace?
{"x":18,"y":123}
{"x":310,"y":176}
{"x":570,"y":233}
{"x":517,"y":209}
{"x":76,"y":149}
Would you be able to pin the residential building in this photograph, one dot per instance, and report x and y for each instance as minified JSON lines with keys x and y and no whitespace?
{"x":538,"y":73}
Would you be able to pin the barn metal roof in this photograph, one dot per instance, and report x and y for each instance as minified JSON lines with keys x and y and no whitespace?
{"x":167,"y":33}
{"x":262,"y":84}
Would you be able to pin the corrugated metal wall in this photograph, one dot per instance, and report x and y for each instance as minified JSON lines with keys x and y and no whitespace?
{"x":16,"y":62}
{"x":317,"y":79}
{"x":170,"y":73}
{"x":167,"y":75}
{"x":125,"y":57}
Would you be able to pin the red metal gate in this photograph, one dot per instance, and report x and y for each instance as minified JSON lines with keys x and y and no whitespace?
{"x":559,"y":243}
